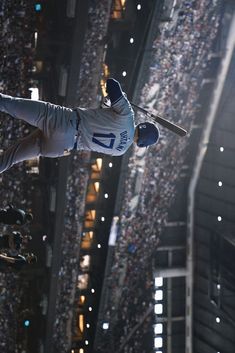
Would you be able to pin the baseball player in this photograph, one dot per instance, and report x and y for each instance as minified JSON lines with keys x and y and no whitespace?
{"x":59,"y":129}
{"x":16,"y":262}
{"x":12,"y":242}
{"x":15,"y":216}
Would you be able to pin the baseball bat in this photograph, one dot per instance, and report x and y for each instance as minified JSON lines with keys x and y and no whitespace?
{"x":164,"y":122}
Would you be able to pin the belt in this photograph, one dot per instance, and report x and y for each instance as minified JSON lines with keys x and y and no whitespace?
{"x":77,"y":134}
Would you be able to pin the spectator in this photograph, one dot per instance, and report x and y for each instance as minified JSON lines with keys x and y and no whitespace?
{"x":13,"y":215}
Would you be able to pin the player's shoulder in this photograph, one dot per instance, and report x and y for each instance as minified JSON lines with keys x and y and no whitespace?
{"x":123,"y":106}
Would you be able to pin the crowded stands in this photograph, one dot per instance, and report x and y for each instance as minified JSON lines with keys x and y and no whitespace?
{"x":16,"y":69}
{"x":181,"y":56}
{"x":16,"y":64}
{"x":87,"y":90}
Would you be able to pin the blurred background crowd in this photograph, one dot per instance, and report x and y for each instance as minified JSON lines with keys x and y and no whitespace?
{"x":87,"y":93}
{"x":179,"y":63}
{"x":16,"y":59}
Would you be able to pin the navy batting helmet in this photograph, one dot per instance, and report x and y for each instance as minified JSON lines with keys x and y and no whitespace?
{"x":148,"y":134}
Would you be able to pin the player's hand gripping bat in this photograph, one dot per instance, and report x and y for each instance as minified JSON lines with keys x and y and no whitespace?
{"x":166,"y":123}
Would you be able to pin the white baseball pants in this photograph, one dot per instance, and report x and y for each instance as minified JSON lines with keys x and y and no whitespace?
{"x":56,"y":130}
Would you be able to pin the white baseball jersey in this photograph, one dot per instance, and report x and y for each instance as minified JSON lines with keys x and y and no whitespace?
{"x":110,"y":131}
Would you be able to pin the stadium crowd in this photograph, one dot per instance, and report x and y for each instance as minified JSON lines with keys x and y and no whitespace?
{"x":179,"y":62}
{"x":16,"y":65}
{"x":87,"y":91}
{"x":16,"y":28}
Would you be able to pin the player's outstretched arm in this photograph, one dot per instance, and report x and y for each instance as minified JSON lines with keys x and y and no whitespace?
{"x":113,"y":90}
{"x":118,"y":98}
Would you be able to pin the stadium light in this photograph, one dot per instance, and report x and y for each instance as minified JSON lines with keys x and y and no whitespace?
{"x":158,"y":281}
{"x":220,"y":183}
{"x":105,"y":326}
{"x":97,"y":186}
{"x":34,"y":93}
{"x":138,"y":7}
{"x":158,"y":342}
{"x":219,"y":218}
{"x":158,"y":328}
{"x":124,"y":73}
{"x":38,"y":7}
{"x":81,"y":323}
{"x":131,"y":40}
{"x":217,"y":320}
{"x":99,"y":162}
{"x":221,"y":149}
{"x":158,"y":308}
{"x":158,"y":295}
{"x":35,"y":38}
{"x":26,"y":323}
